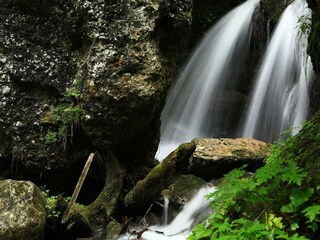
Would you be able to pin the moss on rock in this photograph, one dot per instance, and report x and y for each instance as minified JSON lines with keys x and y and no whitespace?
{"x":182,"y":190}
{"x":159,"y":178}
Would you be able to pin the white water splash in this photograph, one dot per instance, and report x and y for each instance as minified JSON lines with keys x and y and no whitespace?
{"x":194,"y":212}
{"x":191,"y":109}
{"x":280,"y":98}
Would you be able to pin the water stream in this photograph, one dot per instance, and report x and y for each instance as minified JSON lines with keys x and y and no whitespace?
{"x":180,"y":228}
{"x":192,"y":108}
{"x":165,"y":211}
{"x":279,"y":100}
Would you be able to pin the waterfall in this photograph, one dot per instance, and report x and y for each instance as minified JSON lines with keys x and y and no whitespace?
{"x":194,"y":212}
{"x":192,"y":108}
{"x":279,"y":100}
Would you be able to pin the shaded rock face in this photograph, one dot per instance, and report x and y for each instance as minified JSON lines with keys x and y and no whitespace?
{"x":314,"y":52}
{"x":107,"y":53}
{"x":181,"y":192}
{"x":22,"y":211}
{"x":205,"y":158}
{"x":273,"y":9}
{"x":38,"y":60}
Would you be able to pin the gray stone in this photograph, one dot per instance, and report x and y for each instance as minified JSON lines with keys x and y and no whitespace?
{"x":22,"y":211}
{"x":214,"y":157}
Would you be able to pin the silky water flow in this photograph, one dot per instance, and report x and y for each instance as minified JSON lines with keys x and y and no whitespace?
{"x":191,"y":108}
{"x":279,"y":100}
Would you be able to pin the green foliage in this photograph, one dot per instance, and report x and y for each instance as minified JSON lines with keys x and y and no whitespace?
{"x":304,"y":23}
{"x":53,"y":212}
{"x":312,"y":212}
{"x":67,"y":114}
{"x":51,"y":137}
{"x":51,"y":202}
{"x":75,"y":90}
{"x":280,"y":201}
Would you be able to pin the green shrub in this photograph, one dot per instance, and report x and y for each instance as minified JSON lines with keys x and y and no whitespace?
{"x":280,"y":201}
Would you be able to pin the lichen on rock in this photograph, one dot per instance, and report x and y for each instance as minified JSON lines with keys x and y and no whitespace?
{"x":22,"y":211}
{"x":214,"y":157}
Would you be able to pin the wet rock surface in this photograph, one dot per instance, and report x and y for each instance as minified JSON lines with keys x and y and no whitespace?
{"x":183,"y":189}
{"x":22,"y":211}
{"x":274,"y":8}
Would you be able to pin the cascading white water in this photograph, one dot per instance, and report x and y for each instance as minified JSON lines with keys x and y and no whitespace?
{"x":280,"y":98}
{"x":191,"y":109}
{"x":180,"y":228}
{"x":165,"y":211}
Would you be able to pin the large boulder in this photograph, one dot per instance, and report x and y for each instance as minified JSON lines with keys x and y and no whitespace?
{"x":22,"y":211}
{"x":213,"y":158}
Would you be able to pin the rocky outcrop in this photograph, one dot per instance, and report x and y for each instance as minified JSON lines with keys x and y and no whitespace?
{"x":314,"y":52}
{"x":205,"y":158}
{"x":22,"y":211}
{"x":274,"y":8}
{"x":76,"y":76}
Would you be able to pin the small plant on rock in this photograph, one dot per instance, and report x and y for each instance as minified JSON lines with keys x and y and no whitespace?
{"x":67,"y":114}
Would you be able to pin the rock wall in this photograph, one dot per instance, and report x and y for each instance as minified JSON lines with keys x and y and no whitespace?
{"x":77,"y":76}
{"x":314,"y":52}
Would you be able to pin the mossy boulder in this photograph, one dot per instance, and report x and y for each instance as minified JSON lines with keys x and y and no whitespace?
{"x":181,"y":192}
{"x":160,"y":177}
{"x":113,"y":230}
{"x":22,"y":211}
{"x":78,"y":224}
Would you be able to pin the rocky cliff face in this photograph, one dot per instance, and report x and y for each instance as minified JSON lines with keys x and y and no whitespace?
{"x":77,"y":76}
{"x":314,"y":52}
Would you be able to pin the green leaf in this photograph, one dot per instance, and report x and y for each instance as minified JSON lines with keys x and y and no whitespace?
{"x":312,"y":212}
{"x":297,"y":198}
